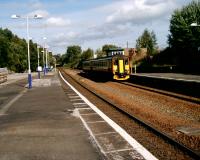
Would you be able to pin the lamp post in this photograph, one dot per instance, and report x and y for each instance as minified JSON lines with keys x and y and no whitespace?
{"x":54,"y":63}
{"x":38,"y":50}
{"x":195,"y":24}
{"x":46,"y":61}
{"x":44,"y":49}
{"x":27,"y":31}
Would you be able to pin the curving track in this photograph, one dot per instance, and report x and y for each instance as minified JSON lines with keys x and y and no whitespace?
{"x":161,"y":141}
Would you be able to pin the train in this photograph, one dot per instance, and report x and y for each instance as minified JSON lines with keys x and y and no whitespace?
{"x":115,"y":64}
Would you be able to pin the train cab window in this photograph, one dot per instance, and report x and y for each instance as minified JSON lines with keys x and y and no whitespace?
{"x":115,"y":62}
{"x":126,"y":61}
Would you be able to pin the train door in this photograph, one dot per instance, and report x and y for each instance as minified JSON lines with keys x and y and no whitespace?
{"x":121,"y":66}
{"x":118,"y":66}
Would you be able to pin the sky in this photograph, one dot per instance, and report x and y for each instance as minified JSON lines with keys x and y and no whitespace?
{"x":89,"y":23}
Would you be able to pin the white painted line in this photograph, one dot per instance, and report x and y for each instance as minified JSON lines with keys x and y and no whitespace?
{"x":92,"y":122}
{"x":105,"y":133}
{"x":89,"y":130}
{"x":81,"y":106}
{"x":73,"y":96}
{"x":78,"y":103}
{"x":75,"y":100}
{"x":85,"y":108}
{"x":138,"y":147}
{"x":119,"y":150}
{"x":87,"y":114}
{"x":5,"y":108}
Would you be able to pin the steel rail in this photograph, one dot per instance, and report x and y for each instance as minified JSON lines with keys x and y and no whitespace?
{"x":163,"y":92}
{"x":166,"y":137}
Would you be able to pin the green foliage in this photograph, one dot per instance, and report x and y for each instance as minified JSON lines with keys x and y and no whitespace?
{"x":13,"y":52}
{"x":108,"y":46}
{"x":184,"y":39}
{"x":147,"y":40}
{"x":99,"y":53}
{"x":3,"y":51}
{"x":183,"y":35}
{"x":87,"y":54}
{"x":102,"y":53}
{"x":58,"y":58}
{"x":72,"y":56}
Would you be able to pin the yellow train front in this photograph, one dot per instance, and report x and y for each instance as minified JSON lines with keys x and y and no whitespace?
{"x":120,"y":67}
{"x":116,"y":64}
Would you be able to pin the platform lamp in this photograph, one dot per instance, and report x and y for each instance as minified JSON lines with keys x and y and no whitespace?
{"x":14,"y":16}
{"x":38,"y":51}
{"x":44,"y":50}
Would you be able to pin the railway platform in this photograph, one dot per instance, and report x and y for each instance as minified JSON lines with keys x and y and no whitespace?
{"x":51,"y":121}
{"x":171,"y":76}
{"x":184,"y":84}
{"x":35,"y":124}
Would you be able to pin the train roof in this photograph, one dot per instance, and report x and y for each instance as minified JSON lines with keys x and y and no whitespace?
{"x":102,"y":58}
{"x":114,"y":49}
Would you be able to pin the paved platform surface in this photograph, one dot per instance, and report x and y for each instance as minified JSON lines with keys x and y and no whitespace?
{"x":36,"y":124}
{"x":175,"y":76}
{"x":52,"y":122}
{"x":111,"y":139}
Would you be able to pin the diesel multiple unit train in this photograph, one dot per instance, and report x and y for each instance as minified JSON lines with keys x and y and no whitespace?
{"x":116,"y":64}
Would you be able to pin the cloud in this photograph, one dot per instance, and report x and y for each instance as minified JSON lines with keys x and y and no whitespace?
{"x":88,"y":35}
{"x":43,"y":13}
{"x":57,"y":22}
{"x":35,"y":4}
{"x":139,"y":11}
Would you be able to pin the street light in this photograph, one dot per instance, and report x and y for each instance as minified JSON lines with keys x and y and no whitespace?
{"x":38,"y":69}
{"x":55,"y":63}
{"x":14,"y":16}
{"x":195,"y":25}
{"x":46,"y":60}
{"x":44,"y":49}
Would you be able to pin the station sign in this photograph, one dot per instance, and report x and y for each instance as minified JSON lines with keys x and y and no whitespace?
{"x":39,"y":69}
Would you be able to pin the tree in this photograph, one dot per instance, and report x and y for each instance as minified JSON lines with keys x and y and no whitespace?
{"x":72,"y":56}
{"x":103,"y":52}
{"x":13,"y":52}
{"x":108,"y":46}
{"x":3,"y":51}
{"x":59,"y":60}
{"x":99,"y":53}
{"x":147,"y":40}
{"x":87,"y":54}
{"x":184,"y":39}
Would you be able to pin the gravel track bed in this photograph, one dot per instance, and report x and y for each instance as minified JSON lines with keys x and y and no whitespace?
{"x":166,"y":113}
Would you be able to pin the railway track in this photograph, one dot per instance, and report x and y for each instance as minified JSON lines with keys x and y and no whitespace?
{"x":180,"y":148}
{"x":175,"y":95}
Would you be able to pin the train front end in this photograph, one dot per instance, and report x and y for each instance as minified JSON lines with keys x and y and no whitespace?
{"x":121,"y":68}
